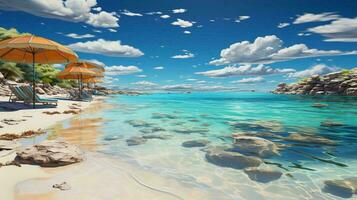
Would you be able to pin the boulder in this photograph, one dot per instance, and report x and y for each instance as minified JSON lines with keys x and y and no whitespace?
{"x":195,"y":143}
{"x":50,"y":153}
{"x":135,"y":140}
{"x":310,"y":139}
{"x":263,"y":175}
{"x":230,"y":159}
{"x":9,"y":145}
{"x":342,"y":187}
{"x":256,"y":146}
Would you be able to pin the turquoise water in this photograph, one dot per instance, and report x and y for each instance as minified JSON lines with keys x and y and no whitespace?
{"x":216,"y":116}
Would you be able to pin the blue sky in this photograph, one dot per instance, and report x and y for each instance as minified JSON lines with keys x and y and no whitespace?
{"x":197,"y":45}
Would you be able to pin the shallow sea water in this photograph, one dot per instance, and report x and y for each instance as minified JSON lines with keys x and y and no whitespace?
{"x":216,"y":116}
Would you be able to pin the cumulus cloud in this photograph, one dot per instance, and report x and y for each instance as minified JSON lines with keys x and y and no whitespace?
{"x":131,"y":14}
{"x":341,"y":30}
{"x":106,"y":47}
{"x":97,"y":62}
{"x":142,"y":76}
{"x":257,"y":79}
{"x":112,"y":30}
{"x":190,"y":87}
{"x":282,"y":25}
{"x":310,"y":17}
{"x":179,"y":10}
{"x":159,"y":68}
{"x":77,"y":36}
{"x":145,"y":83}
{"x":122,"y":70}
{"x":242,"y":18}
{"x":245,"y":70}
{"x":154,"y":13}
{"x":184,"y":56}
{"x":187,"y":32}
{"x":269,"y":49}
{"x":165,"y":16}
{"x":68,"y":10}
{"x":182,"y":23}
{"x":318,"y":69}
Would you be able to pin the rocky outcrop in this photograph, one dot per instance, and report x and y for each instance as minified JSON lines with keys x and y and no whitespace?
{"x":345,"y":188}
{"x":230,"y":159}
{"x":256,"y":146}
{"x":50,"y":153}
{"x":195,"y":143}
{"x":336,"y":83}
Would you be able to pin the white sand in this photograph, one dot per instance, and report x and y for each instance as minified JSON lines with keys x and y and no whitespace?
{"x":35,"y":118}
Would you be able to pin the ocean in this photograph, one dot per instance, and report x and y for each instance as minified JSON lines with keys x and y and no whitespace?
{"x":179,"y":117}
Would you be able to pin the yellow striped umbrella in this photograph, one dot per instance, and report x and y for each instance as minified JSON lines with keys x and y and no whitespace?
{"x":31,"y":49}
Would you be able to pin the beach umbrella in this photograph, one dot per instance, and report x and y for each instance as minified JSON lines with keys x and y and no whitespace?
{"x":30,"y":49}
{"x":87,"y":64}
{"x":93,"y":80}
{"x":76,"y":72}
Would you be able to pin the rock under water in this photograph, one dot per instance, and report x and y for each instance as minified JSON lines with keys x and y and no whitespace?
{"x":195,"y":143}
{"x":263,"y":175}
{"x":345,"y":188}
{"x":255,"y":146}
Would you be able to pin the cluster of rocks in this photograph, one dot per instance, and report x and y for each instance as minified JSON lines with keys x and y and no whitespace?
{"x":345,"y":188}
{"x":336,"y":83}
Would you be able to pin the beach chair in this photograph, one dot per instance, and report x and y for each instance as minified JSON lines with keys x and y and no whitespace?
{"x":28,"y":91}
{"x":18,"y":95}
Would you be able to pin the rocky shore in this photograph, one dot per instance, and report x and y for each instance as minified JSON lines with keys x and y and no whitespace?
{"x":342,"y":83}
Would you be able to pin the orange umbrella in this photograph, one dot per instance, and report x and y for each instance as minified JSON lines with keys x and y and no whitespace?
{"x":92,"y":80}
{"x":31,"y":49}
{"x":87,"y":64}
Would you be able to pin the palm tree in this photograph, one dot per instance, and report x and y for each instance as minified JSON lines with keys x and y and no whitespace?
{"x":11,"y":71}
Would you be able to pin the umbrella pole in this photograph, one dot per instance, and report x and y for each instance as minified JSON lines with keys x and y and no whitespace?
{"x":33,"y":81}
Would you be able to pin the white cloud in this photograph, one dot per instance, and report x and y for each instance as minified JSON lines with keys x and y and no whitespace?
{"x":190,"y":87}
{"x":159,"y":68}
{"x":165,"y":16}
{"x":177,"y":87}
{"x":122,"y":70}
{"x":200,"y":82}
{"x":69,"y":10}
{"x":145,"y":83}
{"x":182,"y":23}
{"x":341,"y":30}
{"x":142,"y":76}
{"x":242,"y":18}
{"x":184,"y":56}
{"x":180,"y":10}
{"x":76,"y":36}
{"x":112,"y":30}
{"x":97,"y":62}
{"x":187,"y":32}
{"x":282,"y":25}
{"x":131,"y":14}
{"x":154,"y":13}
{"x":191,"y":79}
{"x":318,"y":69}
{"x":106,"y":47}
{"x":97,"y":31}
{"x":245,"y":70}
{"x":310,"y":17}
{"x":98,"y":9}
{"x":257,"y":79}
{"x":269,"y":49}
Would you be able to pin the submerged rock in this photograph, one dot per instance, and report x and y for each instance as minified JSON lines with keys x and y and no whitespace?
{"x":310,"y":139}
{"x":113,"y":137}
{"x":135,"y":140}
{"x":329,"y":123}
{"x":263,"y":175}
{"x":160,"y":136}
{"x":138,"y":123}
{"x":152,"y":130}
{"x":50,"y":153}
{"x":195,"y":143}
{"x":255,"y":146}
{"x":319,"y":105}
{"x":163,"y":115}
{"x":234,"y":160}
{"x":343,"y":188}
{"x":190,"y":130}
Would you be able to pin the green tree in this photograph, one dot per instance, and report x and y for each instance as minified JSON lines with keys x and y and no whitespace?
{"x":11,"y":71}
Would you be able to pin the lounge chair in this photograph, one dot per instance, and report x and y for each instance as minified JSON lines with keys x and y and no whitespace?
{"x":28,"y":91}
{"x":18,"y":95}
